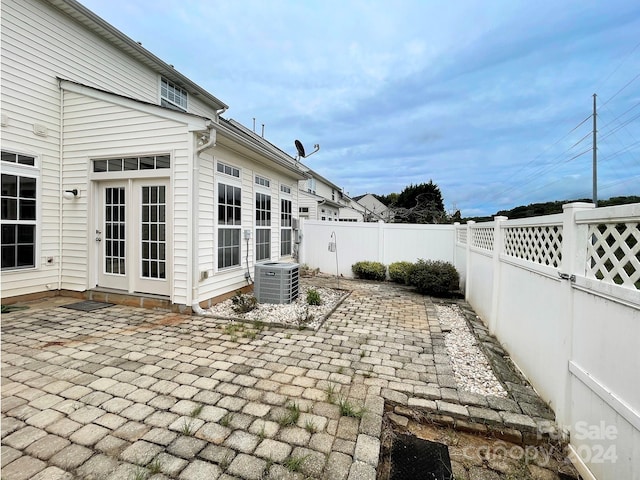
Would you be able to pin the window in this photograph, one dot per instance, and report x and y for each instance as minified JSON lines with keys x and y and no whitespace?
{"x":18,"y":211}
{"x":262,"y":181}
{"x":229,"y":221}
{"x":228,"y":170}
{"x":151,"y":162}
{"x":263,"y":244}
{"x":285,"y":188}
{"x":303,"y":209}
{"x":311,"y":185}
{"x":285,"y":227}
{"x":263,"y":219}
{"x":172,"y":96}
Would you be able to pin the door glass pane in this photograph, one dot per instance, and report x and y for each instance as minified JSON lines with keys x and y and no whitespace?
{"x":153,"y":241}
{"x":114,"y":238}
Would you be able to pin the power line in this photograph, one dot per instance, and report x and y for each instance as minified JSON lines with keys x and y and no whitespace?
{"x":619,"y":91}
{"x":602,"y":82}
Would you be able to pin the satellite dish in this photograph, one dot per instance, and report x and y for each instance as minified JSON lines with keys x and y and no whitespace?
{"x":300,"y":149}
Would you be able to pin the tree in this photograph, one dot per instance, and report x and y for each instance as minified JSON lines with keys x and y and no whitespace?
{"x":420,"y":203}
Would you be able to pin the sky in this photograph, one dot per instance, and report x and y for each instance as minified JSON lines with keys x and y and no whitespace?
{"x":485,"y":98}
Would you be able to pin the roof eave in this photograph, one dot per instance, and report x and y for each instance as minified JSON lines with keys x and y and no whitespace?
{"x":107,"y":31}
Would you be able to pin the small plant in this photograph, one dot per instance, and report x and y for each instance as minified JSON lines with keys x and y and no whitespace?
{"x":294,"y":464}
{"x":399,"y":272}
{"x":307,"y":271}
{"x":140,"y":474}
{"x":187,"y":429}
{"x":226,"y":420}
{"x":155,"y":466}
{"x":251,"y":334}
{"x":310,"y":427}
{"x":304,"y":318}
{"x":243,"y":303}
{"x":313,"y":297}
{"x":341,"y":370}
{"x":362,"y":353}
{"x":331,"y":392}
{"x":369,"y":270}
{"x":434,"y":277}
{"x":226,"y":461}
{"x":262,"y":433}
{"x":347,"y":409}
{"x":196,"y":411}
{"x":291,"y":417}
{"x":267,"y":467}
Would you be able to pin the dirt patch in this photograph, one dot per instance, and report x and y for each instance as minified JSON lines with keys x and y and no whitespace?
{"x":475,"y":456}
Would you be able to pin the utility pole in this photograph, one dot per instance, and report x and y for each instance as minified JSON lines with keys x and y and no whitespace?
{"x":595,"y":155}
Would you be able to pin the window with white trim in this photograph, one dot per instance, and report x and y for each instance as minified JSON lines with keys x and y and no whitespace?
{"x":18,"y":210}
{"x":172,"y":95}
{"x":285,"y":189}
{"x":263,"y":219}
{"x":228,"y":169}
{"x":285,"y":227}
{"x":311,"y":185}
{"x":265,"y":182}
{"x":229,"y":222}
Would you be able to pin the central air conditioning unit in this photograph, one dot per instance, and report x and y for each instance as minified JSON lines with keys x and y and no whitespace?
{"x":276,"y":282}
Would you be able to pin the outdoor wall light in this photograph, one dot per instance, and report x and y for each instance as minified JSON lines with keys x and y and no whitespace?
{"x":70,"y":194}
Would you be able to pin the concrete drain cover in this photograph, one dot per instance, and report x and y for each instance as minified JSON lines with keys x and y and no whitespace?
{"x":88,"y":305}
{"x":415,"y":459}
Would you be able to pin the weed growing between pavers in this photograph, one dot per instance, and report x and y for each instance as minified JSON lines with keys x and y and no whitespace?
{"x":187,"y":429}
{"x":347,"y":409}
{"x":226,"y":420}
{"x":294,"y":464}
{"x":291,"y":417}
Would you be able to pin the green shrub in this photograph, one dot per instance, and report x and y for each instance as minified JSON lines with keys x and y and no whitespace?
{"x":399,"y":272}
{"x":369,"y":270}
{"x":313,"y":297}
{"x":243,"y":303}
{"x":434,"y":277}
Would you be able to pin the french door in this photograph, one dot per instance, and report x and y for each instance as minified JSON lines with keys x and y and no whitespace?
{"x":132,"y":235}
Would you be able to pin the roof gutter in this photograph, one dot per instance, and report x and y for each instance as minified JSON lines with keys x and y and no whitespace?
{"x":261,"y":150}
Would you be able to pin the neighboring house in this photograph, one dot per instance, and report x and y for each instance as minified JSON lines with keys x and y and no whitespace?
{"x":352,"y":212}
{"x":374,"y":209}
{"x":118,"y":174}
{"x":320,"y":199}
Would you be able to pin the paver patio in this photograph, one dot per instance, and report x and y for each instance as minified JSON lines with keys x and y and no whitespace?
{"x":106,"y":394}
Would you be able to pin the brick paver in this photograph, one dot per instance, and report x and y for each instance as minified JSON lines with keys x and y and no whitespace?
{"x":117,"y":391}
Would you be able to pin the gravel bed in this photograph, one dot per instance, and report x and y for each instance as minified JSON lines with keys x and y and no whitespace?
{"x":471,"y":368}
{"x":297,"y":313}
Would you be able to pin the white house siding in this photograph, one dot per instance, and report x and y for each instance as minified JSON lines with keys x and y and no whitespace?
{"x":220,"y":282}
{"x":40,"y":44}
{"x":44,"y":43}
{"x":97,"y":129}
{"x":309,"y":201}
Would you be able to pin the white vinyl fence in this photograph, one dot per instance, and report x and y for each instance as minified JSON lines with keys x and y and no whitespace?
{"x":378,"y":242}
{"x":560,"y":292}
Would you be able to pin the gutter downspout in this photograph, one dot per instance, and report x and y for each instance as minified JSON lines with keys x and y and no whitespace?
{"x":195,"y":230}
{"x":60,"y":203}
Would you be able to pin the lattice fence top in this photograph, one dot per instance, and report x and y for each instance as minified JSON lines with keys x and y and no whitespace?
{"x":482,"y":238}
{"x":461,"y":235}
{"x":538,"y":244}
{"x":613,"y":253}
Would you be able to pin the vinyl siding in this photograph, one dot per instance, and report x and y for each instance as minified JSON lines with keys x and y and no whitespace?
{"x":122,"y":132}
{"x":228,"y":280}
